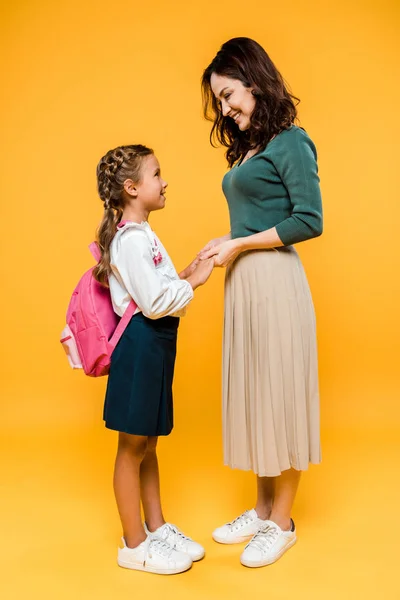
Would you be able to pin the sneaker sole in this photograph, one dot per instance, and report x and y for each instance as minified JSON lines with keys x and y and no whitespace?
{"x":237,"y":540}
{"x":265,"y":563}
{"x":126,"y":565}
{"x":197,"y":558}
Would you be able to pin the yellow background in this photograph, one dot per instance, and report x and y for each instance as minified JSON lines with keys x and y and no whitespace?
{"x":82,"y":77}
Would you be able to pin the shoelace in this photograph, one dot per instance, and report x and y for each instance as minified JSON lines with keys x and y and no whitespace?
{"x":160,"y":547}
{"x":180,"y":538}
{"x":240,"y":521}
{"x":264,"y":538}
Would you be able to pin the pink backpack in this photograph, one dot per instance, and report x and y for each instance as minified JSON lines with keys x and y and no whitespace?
{"x":93,"y":328}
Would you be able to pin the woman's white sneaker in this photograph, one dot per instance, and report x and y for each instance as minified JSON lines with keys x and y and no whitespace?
{"x":268,"y":545}
{"x":154,"y":556}
{"x":240,"y":529}
{"x":178,"y":540}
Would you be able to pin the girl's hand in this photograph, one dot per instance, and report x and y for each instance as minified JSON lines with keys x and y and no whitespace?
{"x":215,"y":242}
{"x":224,"y":254}
{"x":201,"y":273}
{"x":189,"y":269}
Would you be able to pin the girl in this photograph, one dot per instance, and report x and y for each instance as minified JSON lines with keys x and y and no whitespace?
{"x":138,"y":401}
{"x":270,"y":379}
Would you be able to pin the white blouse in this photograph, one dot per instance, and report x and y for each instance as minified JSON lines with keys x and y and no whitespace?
{"x":142,"y":270}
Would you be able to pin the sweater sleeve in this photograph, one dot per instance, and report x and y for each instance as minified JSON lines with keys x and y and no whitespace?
{"x":156,"y":294}
{"x":296,"y":163}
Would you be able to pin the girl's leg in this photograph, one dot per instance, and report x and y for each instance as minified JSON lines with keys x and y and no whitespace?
{"x":130,"y":454}
{"x":150,"y":487}
{"x":265,"y":496}
{"x":286,"y":486}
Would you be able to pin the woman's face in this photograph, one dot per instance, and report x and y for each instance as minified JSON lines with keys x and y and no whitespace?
{"x":236,"y":101}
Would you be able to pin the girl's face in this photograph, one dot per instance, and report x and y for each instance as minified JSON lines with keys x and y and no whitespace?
{"x":236,"y":101}
{"x":150,"y":191}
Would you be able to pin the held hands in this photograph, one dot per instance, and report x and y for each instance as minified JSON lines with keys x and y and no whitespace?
{"x":215,"y":242}
{"x":224,"y":252}
{"x":201,"y":272}
{"x":189,"y":269}
{"x":218,"y":252}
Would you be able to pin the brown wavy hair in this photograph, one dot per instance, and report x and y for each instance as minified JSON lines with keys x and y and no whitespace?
{"x":113,"y":170}
{"x":275,"y":110}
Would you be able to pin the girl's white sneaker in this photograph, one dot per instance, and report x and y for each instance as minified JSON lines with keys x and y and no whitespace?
{"x":240,"y":529}
{"x":178,"y":540}
{"x":268,"y":545}
{"x":154,"y":556}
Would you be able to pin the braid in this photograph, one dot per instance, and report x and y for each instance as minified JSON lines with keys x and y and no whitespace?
{"x":113,"y":170}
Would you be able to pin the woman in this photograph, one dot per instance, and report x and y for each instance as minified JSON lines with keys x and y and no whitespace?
{"x":270,"y":373}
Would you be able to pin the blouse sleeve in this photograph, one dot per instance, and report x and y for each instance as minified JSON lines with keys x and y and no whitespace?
{"x":296,"y":163}
{"x":155,"y":294}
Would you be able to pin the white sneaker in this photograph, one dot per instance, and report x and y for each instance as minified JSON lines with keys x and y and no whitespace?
{"x":155,"y":556}
{"x":178,"y":540}
{"x":268,"y":544}
{"x":240,"y":529}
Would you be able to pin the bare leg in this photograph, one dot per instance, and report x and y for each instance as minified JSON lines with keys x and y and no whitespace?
{"x":150,"y":487}
{"x":131,"y":451}
{"x":265,"y":496}
{"x":286,"y":486}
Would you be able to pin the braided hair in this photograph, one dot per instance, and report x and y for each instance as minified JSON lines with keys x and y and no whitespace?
{"x":113,"y":170}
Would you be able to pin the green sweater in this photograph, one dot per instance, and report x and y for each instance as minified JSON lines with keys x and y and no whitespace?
{"x":278,"y":187}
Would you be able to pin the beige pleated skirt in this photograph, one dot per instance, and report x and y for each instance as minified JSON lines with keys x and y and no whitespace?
{"x":270,"y":369}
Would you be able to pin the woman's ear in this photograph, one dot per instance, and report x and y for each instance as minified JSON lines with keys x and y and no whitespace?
{"x":130,"y":188}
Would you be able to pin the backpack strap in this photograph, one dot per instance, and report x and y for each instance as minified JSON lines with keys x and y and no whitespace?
{"x":95,"y":250}
{"x":123,"y":322}
{"x":126,"y":317}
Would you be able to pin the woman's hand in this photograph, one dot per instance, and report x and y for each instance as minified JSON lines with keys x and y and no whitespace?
{"x":224,"y":254}
{"x":212,"y":243}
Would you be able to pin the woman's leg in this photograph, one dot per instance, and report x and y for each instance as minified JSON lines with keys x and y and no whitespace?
{"x":265,"y":496}
{"x":150,"y":487}
{"x":130,"y":454}
{"x":286,"y":486}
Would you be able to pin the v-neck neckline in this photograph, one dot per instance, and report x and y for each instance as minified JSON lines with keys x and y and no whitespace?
{"x":243,"y":162}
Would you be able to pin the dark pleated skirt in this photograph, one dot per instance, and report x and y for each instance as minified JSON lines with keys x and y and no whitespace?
{"x":139,"y":390}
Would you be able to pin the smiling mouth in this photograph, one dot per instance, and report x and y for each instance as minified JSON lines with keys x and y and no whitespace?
{"x":236,"y":116}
